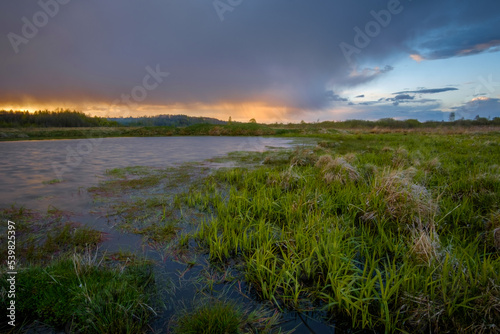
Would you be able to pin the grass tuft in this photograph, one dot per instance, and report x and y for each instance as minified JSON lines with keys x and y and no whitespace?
{"x":426,"y":245}
{"x":216,"y":317}
{"x":399,"y":199}
{"x":339,"y":170}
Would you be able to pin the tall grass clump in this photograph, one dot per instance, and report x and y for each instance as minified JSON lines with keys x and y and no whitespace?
{"x":337,"y":170}
{"x":397,"y":198}
{"x":303,"y":157}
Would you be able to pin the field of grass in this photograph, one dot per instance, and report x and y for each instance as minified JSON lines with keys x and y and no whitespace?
{"x":247,"y":129}
{"x":235,"y":129}
{"x":394,"y":232}
{"x":368,"y":230}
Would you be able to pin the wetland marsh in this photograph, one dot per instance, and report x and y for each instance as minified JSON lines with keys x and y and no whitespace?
{"x":353,"y":231}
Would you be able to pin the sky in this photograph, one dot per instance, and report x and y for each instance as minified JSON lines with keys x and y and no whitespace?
{"x":272,"y":60}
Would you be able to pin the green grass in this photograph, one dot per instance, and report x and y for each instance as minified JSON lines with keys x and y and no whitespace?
{"x":63,"y":281}
{"x":215,"y":317}
{"x":234,"y":129}
{"x":389,"y":231}
{"x":82,"y":293}
{"x":323,"y":129}
{"x":53,"y":181}
{"x":395,"y":232}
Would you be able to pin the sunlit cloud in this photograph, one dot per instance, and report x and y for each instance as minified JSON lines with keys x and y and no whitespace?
{"x":418,"y":58}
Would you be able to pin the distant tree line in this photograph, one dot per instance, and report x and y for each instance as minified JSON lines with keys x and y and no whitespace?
{"x":396,"y":124}
{"x":46,"y":118}
{"x":166,"y":120}
{"x":72,"y":118}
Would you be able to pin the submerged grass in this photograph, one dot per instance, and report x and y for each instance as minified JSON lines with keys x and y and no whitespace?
{"x":64,"y":281}
{"x":148,"y":202}
{"x":397,"y":233}
{"x":41,"y":237}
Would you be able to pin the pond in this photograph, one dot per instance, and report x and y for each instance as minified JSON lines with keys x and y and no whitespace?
{"x":37,"y":174}
{"x":40,"y":175}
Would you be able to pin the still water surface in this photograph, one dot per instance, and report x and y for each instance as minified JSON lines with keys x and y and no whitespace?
{"x":30,"y":169}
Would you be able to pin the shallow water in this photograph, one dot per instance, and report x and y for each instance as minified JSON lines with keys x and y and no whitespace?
{"x":29,"y":167}
{"x":41,"y":174}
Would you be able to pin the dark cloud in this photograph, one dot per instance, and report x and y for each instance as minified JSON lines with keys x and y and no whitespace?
{"x":449,"y":50}
{"x":402,"y":112}
{"x":400,"y":98}
{"x":404,"y":97}
{"x":360,"y":96}
{"x":427,"y":91}
{"x":481,"y":106}
{"x":331,"y":96}
{"x":368,"y":103}
{"x":358,"y":77}
{"x":281,"y":52}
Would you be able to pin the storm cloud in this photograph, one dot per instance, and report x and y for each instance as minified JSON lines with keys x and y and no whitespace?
{"x":481,"y":106}
{"x":279,"y":53}
{"x":427,"y":91}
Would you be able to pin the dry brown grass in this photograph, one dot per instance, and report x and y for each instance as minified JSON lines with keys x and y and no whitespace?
{"x":350,"y":157}
{"x":400,"y":158}
{"x":443,"y":130}
{"x":424,"y":315}
{"x":403,"y":200}
{"x":432,"y":165}
{"x":303,"y":157}
{"x":493,"y":230}
{"x":323,"y":161}
{"x":426,"y":245}
{"x":387,"y":149}
{"x":338,"y":169}
{"x":368,"y":170}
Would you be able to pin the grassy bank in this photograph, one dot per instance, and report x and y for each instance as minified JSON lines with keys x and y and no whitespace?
{"x":63,"y":281}
{"x":393,"y":232}
{"x":324,"y":129}
{"x":236,"y":129}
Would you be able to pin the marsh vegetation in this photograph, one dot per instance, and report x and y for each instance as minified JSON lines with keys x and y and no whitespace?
{"x":393,"y":232}
{"x":390,"y":232}
{"x":64,"y":282}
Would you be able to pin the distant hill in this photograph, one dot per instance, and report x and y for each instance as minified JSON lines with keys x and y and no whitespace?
{"x":166,"y":120}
